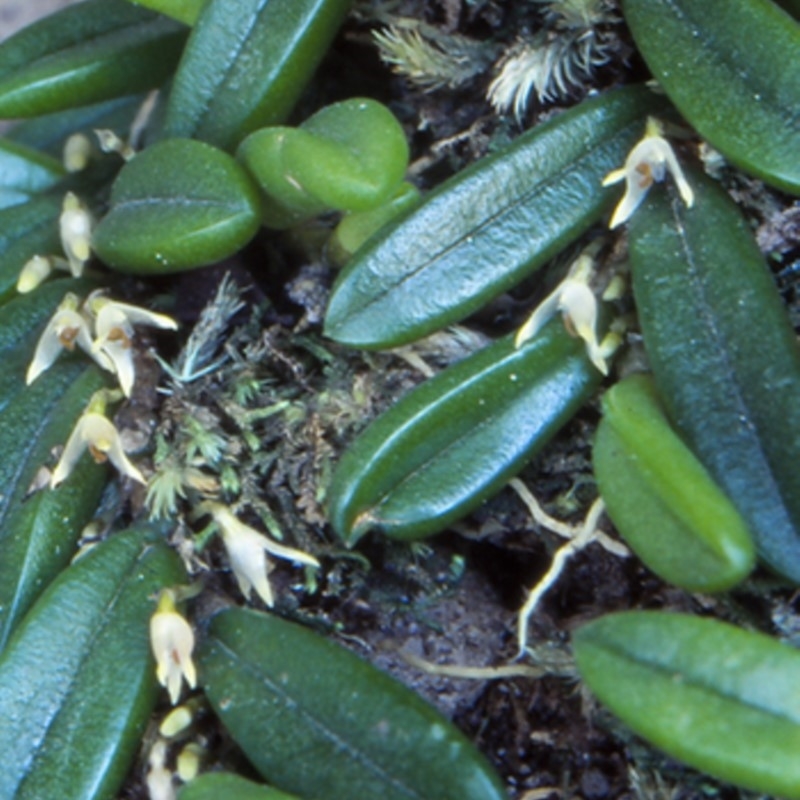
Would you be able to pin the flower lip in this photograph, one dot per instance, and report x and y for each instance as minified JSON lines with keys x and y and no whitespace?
{"x":648,"y":163}
{"x":97,"y":433}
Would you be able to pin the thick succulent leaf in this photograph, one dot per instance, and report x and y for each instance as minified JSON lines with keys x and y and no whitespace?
{"x":25,"y":172}
{"x":487,"y":228}
{"x":349,"y":156}
{"x":179,"y":204}
{"x":731,"y":68}
{"x":246,"y":64}
{"x":214,"y":785}
{"x":459,"y":437}
{"x":39,"y":530}
{"x":724,"y":356}
{"x":355,"y":229}
{"x":284,"y":692}
{"x":77,"y":680}
{"x":661,"y":498}
{"x":89,"y":52}
{"x":721,"y":699}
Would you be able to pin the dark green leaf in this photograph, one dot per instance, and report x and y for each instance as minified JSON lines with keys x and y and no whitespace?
{"x":246,"y":64}
{"x":721,"y":699}
{"x":458,"y":438}
{"x":661,"y":499}
{"x":25,"y":172}
{"x":484,"y":230}
{"x":39,"y":531}
{"x":284,"y":692}
{"x":49,"y":132}
{"x":217,"y":785}
{"x":731,"y":68}
{"x":77,"y":680}
{"x":92,"y":51}
{"x":27,"y":230}
{"x":179,"y":204}
{"x":724,"y":356}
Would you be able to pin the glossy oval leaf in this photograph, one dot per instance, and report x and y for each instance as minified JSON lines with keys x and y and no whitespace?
{"x":283,"y":691}
{"x":77,"y":680}
{"x":179,"y":204}
{"x":719,"y":698}
{"x":459,"y":437}
{"x":661,"y":498}
{"x":484,"y":230}
{"x":92,"y":51}
{"x":25,"y":172}
{"x":215,"y":785}
{"x":349,"y":156}
{"x":724,"y":356}
{"x":39,"y":529}
{"x":246,"y":64}
{"x":731,"y":68}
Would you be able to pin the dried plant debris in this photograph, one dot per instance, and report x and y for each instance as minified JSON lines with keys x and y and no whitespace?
{"x":556,"y":61}
{"x":431,"y":59}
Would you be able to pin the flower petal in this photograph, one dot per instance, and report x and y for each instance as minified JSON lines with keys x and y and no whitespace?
{"x":541,"y":316}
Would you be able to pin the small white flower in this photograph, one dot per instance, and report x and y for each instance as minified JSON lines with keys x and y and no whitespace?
{"x":35,"y":271}
{"x":75,"y":225}
{"x":247,"y":552}
{"x":172,"y":642}
{"x":97,"y":433}
{"x":574,"y":298}
{"x":77,"y":152}
{"x":66,"y":328}
{"x":114,"y":331}
{"x":647,"y":163}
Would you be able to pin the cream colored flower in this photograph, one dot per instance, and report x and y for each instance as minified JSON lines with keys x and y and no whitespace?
{"x":247,"y":552}
{"x":574,"y":298}
{"x":35,"y":271}
{"x":66,"y":328}
{"x":647,"y":163}
{"x":97,"y":433}
{"x":172,"y":642}
{"x":75,"y":225}
{"x":114,"y":331}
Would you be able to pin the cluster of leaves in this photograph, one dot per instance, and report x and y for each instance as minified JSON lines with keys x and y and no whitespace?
{"x":696,"y":468}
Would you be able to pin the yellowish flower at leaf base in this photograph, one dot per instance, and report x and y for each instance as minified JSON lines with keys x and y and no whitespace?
{"x":95,"y":432}
{"x":647,"y":163}
{"x":77,"y":152}
{"x":66,"y":328}
{"x":75,"y":228}
{"x":114,"y":331}
{"x":172,"y":642}
{"x":575,"y":300}
{"x":37,"y":270}
{"x":247,"y":552}
{"x":103,"y":328}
